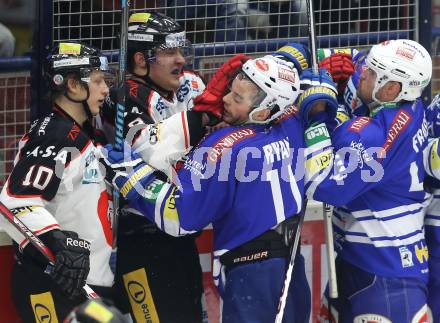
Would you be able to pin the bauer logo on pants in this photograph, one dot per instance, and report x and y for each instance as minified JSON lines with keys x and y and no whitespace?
{"x":44,"y":308}
{"x":139,"y":294}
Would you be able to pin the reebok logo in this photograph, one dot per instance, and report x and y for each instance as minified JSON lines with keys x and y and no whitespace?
{"x":78,"y":243}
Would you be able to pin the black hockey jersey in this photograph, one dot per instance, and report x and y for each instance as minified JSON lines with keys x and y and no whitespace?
{"x":56,"y":184}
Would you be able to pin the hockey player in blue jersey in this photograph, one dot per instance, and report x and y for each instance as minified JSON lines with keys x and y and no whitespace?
{"x":376,"y":183}
{"x":432,"y":217}
{"x":259,"y":157}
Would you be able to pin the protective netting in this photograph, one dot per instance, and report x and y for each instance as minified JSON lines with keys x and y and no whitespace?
{"x":222,"y":28}
{"x":14,"y":117}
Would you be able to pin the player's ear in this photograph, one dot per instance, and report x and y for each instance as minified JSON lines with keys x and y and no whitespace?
{"x":393,"y":89}
{"x":261,"y":115}
{"x":139,"y":59}
{"x":73,"y":85}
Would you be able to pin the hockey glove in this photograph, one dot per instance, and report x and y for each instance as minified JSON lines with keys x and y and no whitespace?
{"x":318,"y":90}
{"x":340,"y":67}
{"x":128,"y":173}
{"x":297,"y":54}
{"x":211,"y":100}
{"x":72,"y":262}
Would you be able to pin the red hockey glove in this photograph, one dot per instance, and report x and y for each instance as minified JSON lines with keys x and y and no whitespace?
{"x":341,"y":67}
{"x":211,"y":100}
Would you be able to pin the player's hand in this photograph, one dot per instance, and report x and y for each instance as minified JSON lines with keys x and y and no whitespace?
{"x":72,"y":262}
{"x":127,"y":172}
{"x":341,"y":67}
{"x":296,"y":53}
{"x":211,"y":100}
{"x":317,"y":102}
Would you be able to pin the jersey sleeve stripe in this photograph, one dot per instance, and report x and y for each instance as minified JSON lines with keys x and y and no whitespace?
{"x":185,"y":129}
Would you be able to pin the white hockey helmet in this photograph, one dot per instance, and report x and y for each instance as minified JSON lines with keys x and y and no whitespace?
{"x":404,"y":61}
{"x":277,"y":79}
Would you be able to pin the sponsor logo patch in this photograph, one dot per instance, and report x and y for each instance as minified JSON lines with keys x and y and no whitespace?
{"x":141,"y":300}
{"x":69,"y":48}
{"x":406,"y":52}
{"x":421,"y":253}
{"x":287,"y":75}
{"x":406,"y":257}
{"x":44,"y":308}
{"x":359,"y":123}
{"x":262,"y":65}
{"x":400,"y":122}
{"x":228,"y":141}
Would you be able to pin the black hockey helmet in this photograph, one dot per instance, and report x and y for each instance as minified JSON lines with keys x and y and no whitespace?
{"x":69,"y":58}
{"x":152,"y":31}
{"x":95,"y":311}
{"x":73,"y":58}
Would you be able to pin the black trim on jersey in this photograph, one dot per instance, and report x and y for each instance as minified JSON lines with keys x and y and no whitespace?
{"x":195,"y":127}
{"x":45,"y":154}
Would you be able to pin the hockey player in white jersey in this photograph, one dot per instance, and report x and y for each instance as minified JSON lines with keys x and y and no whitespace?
{"x":58,"y":192}
{"x":376,"y":184}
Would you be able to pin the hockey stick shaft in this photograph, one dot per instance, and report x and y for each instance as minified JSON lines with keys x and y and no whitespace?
{"x":120,"y":108}
{"x":36,"y":242}
{"x":288,"y":278}
{"x":333,"y":287}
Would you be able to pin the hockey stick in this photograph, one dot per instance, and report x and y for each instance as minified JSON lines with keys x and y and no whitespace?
{"x":288,"y":278}
{"x":333,"y":287}
{"x":37,"y":243}
{"x":119,"y":119}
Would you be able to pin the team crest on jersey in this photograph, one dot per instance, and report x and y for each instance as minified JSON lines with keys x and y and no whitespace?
{"x":92,"y":174}
{"x":406,"y":257}
{"x":74,"y":132}
{"x":228,"y":141}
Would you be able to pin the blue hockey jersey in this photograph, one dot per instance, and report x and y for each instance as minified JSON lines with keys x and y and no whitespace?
{"x":376,"y":183}
{"x":244,"y":180}
{"x":432,"y":167}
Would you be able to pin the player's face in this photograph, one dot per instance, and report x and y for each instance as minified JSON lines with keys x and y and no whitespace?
{"x":388,"y":91}
{"x":366,"y":85}
{"x":238,"y":101}
{"x":166,"y":69}
{"x":98,"y":90}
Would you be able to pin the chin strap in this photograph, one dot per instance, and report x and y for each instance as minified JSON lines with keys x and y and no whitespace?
{"x":146,"y":78}
{"x":84,"y":102}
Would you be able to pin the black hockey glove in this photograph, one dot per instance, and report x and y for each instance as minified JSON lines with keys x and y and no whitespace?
{"x":72,"y":262}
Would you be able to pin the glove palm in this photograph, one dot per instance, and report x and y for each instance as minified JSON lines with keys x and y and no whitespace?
{"x":211,"y":100}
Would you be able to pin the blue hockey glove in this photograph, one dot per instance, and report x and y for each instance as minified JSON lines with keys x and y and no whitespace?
{"x":127,"y":172}
{"x":317,"y":88}
{"x":297,"y":54}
